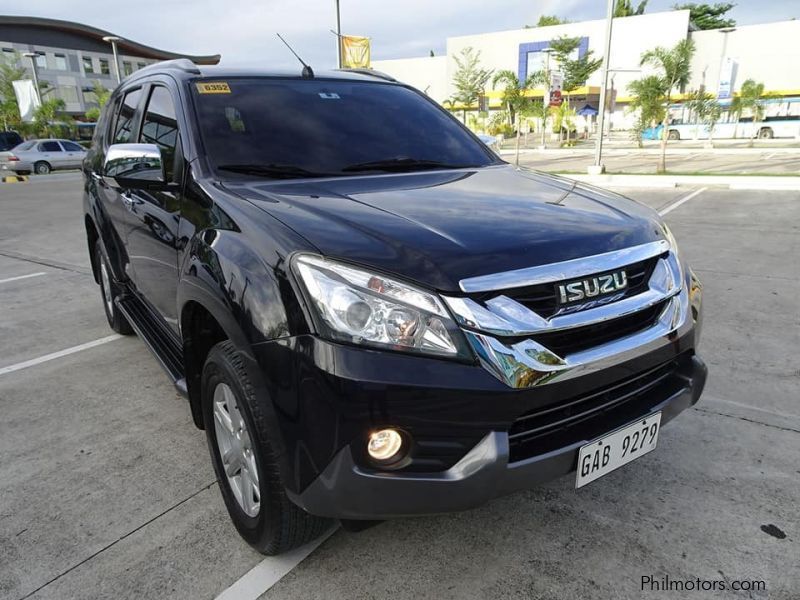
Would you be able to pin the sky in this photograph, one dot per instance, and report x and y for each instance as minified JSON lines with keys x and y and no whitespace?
{"x":243,"y":31}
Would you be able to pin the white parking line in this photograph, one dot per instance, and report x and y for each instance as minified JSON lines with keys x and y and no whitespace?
{"x":67,"y":351}
{"x":269,"y":572}
{"x":686,"y":198}
{"x":21,"y":277}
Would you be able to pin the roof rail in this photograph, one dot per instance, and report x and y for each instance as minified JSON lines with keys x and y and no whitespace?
{"x":372,"y":72}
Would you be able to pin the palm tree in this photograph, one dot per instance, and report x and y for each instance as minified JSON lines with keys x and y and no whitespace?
{"x":9,"y":109}
{"x":515,"y":95}
{"x":646,"y":98}
{"x":749,"y":99}
{"x":46,"y":114}
{"x":706,"y":110}
{"x":674,"y":65}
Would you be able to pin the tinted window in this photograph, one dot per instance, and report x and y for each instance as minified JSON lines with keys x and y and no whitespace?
{"x":325,"y":126}
{"x":72,"y":147}
{"x":49,"y":147}
{"x":124,"y":128}
{"x":160,"y":126}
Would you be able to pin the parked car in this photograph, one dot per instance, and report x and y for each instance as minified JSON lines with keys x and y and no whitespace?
{"x":489,"y":140}
{"x":371,"y":314}
{"x":43,"y":156}
{"x":9,"y":139}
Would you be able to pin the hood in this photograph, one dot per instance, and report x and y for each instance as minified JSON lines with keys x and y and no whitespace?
{"x":437,"y":228}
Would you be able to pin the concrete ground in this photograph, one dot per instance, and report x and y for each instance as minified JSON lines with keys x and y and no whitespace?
{"x":107,"y":491}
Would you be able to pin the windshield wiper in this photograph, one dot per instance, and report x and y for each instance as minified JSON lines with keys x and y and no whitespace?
{"x":274,"y":170}
{"x":401,"y":164}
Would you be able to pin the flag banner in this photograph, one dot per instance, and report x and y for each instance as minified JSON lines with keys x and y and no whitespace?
{"x":27,"y":100}
{"x":355,"y":52}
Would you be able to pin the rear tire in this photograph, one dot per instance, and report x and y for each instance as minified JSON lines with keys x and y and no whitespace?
{"x":673,"y":135}
{"x":42,"y":168}
{"x":766,"y":133}
{"x":249,"y":479}
{"x":109,"y":290}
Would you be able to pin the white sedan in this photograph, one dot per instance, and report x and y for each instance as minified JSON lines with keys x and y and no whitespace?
{"x":42,"y":156}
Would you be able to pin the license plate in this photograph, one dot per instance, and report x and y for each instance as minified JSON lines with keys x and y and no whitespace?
{"x":618,"y":448}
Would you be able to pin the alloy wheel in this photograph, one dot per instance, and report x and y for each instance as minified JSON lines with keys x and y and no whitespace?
{"x":235,"y":448}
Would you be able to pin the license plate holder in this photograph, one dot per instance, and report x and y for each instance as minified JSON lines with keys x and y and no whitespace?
{"x":617,"y":448}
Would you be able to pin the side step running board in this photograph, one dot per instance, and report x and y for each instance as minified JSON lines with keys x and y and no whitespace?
{"x":156,"y":338}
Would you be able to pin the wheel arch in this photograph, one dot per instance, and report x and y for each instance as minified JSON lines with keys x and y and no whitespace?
{"x":226,"y":292}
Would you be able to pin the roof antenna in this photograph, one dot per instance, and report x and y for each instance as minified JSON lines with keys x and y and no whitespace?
{"x":308,"y":72}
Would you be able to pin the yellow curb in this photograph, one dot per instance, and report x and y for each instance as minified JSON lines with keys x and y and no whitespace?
{"x":15,"y":179}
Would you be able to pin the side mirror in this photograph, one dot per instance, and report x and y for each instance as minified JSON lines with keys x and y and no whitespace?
{"x":136,"y":166}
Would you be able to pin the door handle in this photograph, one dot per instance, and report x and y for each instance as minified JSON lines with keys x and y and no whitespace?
{"x":126,"y":199}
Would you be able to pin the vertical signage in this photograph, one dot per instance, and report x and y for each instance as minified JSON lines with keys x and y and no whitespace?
{"x":726,"y":74}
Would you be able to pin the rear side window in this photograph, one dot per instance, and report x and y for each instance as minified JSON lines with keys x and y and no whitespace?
{"x":72,"y":147}
{"x":49,"y":147}
{"x":160,"y":126}
{"x":124,"y":129}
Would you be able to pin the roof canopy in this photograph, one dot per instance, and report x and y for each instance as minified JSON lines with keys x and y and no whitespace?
{"x":66,"y":34}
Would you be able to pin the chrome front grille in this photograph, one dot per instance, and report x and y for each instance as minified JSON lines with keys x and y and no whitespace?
{"x":525,"y":344}
{"x":543,"y":300}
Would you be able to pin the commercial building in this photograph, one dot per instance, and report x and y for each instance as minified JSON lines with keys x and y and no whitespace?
{"x":723,"y":59}
{"x":71,"y":57}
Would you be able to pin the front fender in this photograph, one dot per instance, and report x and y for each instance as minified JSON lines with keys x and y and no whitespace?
{"x":225,"y":276}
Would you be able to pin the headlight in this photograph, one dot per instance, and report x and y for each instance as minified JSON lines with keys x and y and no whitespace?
{"x":360,"y":307}
{"x":670,"y":238}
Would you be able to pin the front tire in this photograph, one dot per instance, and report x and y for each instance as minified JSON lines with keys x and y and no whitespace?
{"x":109,"y":290}
{"x":673,"y":135}
{"x":244,"y":462}
{"x":42,"y":168}
{"x":766,"y":133}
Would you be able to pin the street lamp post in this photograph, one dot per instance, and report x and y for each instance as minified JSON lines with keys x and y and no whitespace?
{"x":32,"y":56}
{"x":597,"y":167}
{"x":338,"y":35}
{"x":546,"y":97}
{"x":112,"y":39}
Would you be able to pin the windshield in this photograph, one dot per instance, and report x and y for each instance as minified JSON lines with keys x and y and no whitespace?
{"x":306,"y":128}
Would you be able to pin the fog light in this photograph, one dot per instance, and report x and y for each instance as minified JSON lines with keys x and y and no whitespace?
{"x":385,"y":444}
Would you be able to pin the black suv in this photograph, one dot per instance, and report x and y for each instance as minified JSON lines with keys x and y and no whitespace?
{"x":9,"y":140}
{"x":371,"y":314}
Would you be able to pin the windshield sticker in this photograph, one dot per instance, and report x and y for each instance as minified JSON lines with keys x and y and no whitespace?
{"x":213,"y":87}
{"x":329,"y":96}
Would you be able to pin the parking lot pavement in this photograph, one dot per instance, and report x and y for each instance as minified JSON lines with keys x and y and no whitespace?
{"x":106,"y":489}
{"x":759,"y":162}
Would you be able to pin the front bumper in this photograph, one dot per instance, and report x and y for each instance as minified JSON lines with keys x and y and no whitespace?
{"x":346,"y":489}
